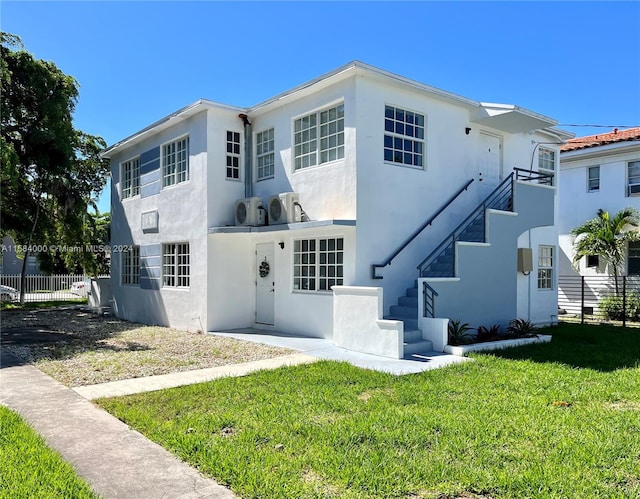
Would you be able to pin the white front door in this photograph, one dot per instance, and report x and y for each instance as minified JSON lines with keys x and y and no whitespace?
{"x":490,"y":159}
{"x":265,"y":284}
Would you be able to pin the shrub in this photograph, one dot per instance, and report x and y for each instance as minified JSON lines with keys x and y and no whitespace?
{"x":521,"y":328}
{"x":459,"y":334}
{"x":491,"y":333}
{"x":611,"y":307}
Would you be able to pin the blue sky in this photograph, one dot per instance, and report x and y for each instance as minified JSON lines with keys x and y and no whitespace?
{"x":136,"y":62}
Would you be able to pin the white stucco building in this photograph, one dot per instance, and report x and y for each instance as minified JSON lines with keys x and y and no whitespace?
{"x":284,"y":215}
{"x":598,"y":171}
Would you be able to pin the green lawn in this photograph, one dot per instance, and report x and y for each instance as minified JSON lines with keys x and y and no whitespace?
{"x":28,"y":468}
{"x":552,"y":420}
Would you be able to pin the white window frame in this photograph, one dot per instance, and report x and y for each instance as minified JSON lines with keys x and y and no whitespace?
{"x":633,"y":254}
{"x":130,"y":266}
{"x":546,"y":260}
{"x":232,"y":171}
{"x":316,"y":267}
{"x":176,"y":265}
{"x":547,"y":163}
{"x":633,"y":181}
{"x":404,"y":137}
{"x":593,"y":180}
{"x":265,"y":154}
{"x":174,"y":158}
{"x":318,"y":137}
{"x":130,"y":178}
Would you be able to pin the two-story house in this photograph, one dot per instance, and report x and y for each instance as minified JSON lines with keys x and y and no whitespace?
{"x":356,"y":207}
{"x":598,"y":171}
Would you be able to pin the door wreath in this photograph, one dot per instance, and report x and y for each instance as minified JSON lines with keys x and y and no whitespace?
{"x":264,"y":268}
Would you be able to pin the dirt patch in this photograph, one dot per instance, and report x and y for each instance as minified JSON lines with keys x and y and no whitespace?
{"x":79,"y":348}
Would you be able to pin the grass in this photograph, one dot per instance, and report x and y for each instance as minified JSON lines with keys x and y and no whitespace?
{"x":29,"y":468}
{"x":552,"y":420}
{"x":41,"y":304}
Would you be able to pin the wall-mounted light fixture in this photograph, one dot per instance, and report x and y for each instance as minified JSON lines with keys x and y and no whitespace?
{"x":281,"y":244}
{"x":467,"y":130}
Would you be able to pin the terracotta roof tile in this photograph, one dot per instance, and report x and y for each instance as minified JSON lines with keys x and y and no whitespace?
{"x":601,"y":139}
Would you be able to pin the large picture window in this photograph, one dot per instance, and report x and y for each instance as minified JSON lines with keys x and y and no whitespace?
{"x":265,"y":154}
{"x":318,"y":264}
{"x":403,"y":137}
{"x":319,"y":137}
{"x":130,"y":178}
{"x":130,"y":268}
{"x":175,"y":162}
{"x":545,"y":267}
{"x":175,"y":265}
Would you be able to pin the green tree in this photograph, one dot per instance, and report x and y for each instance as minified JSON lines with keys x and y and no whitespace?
{"x":607,"y":237}
{"x":51,"y":172}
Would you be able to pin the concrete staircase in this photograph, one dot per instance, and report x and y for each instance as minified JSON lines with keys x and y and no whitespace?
{"x":407,"y":311}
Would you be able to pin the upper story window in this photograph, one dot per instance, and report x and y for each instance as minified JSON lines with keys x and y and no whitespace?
{"x":633,"y":178}
{"x":265,"y":154}
{"x":130,"y":178}
{"x":233,"y":155}
{"x":319,"y":137}
{"x":593,"y":180}
{"x":403,"y":137}
{"x":547,"y":163}
{"x":175,"y":162}
{"x":545,"y":267}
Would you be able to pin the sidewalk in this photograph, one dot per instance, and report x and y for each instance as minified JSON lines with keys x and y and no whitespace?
{"x":116,"y":461}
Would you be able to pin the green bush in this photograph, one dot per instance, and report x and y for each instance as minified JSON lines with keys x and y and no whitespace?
{"x":611,"y":307}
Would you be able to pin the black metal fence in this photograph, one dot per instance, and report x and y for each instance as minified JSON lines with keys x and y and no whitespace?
{"x":599,"y":298}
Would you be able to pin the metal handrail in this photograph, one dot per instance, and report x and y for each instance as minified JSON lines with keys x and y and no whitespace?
{"x":532,"y":175}
{"x":417,"y":232}
{"x":494,"y":199}
{"x":429,"y":296}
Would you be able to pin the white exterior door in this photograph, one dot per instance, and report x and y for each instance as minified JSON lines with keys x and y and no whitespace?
{"x":490,"y":160}
{"x":265,"y":284}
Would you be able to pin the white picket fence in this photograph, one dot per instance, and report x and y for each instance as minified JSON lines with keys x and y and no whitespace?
{"x":45,"y":287}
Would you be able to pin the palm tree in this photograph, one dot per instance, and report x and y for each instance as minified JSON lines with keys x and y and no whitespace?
{"x":607,"y":237}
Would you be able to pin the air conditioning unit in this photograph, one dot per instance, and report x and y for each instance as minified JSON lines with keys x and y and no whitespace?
{"x":284,"y":208}
{"x":249,"y":211}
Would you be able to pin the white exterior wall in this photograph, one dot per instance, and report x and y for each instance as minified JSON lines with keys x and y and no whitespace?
{"x":182,"y":308}
{"x":577,"y":204}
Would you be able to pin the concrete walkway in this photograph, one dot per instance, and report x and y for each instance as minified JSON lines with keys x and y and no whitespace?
{"x":116,"y":461}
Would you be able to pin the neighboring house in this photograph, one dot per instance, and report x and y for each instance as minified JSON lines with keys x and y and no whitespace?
{"x":598,"y":171}
{"x":344,"y":169}
{"x":12,"y":261}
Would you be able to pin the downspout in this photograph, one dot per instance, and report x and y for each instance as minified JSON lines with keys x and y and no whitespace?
{"x":248,"y":170}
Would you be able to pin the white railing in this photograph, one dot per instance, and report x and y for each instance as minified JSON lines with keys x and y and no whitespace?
{"x":63,"y":287}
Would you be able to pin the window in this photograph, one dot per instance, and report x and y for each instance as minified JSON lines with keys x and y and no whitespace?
{"x":130,"y":178}
{"x":593,"y":180}
{"x":593,"y":261}
{"x":547,"y":164}
{"x":545,"y":267}
{"x":130,"y":268}
{"x":175,"y":162}
{"x":175,"y":265}
{"x":233,"y":155}
{"x":265,"y":154}
{"x":404,"y":137}
{"x":331,"y":135}
{"x":634,"y":258}
{"x":317,"y":264}
{"x":633,"y":176}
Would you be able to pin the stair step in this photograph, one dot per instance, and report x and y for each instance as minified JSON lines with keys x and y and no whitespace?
{"x":412,"y":292}
{"x":409,"y":324}
{"x":408,"y":301}
{"x":421,"y":346}
{"x":412,"y":336}
{"x":400,"y":311}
